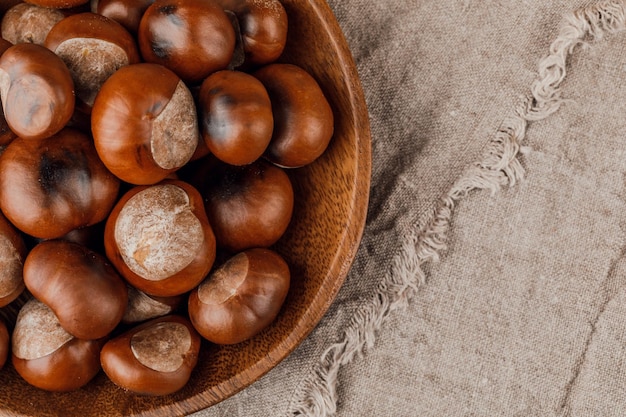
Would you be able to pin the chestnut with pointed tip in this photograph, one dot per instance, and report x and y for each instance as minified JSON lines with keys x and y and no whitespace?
{"x":80,"y":286}
{"x":303,"y":118}
{"x":159,"y":238}
{"x":144,"y":123}
{"x":241,"y":297}
{"x":235,"y":116}
{"x":154,"y":358}
{"x":263,"y":27}
{"x":193,"y":38}
{"x":47,"y":356}
{"x":248,"y":206}
{"x":36,"y":89}
{"x":49,"y":187}
{"x":93,"y":47}
{"x":13,"y":252}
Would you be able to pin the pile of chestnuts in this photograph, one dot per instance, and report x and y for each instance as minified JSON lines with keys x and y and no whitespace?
{"x":145,"y":149}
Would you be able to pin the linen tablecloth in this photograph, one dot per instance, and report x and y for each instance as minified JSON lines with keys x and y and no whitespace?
{"x":491,"y":276}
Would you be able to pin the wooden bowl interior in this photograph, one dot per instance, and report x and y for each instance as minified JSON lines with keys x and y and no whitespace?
{"x":331,"y":205}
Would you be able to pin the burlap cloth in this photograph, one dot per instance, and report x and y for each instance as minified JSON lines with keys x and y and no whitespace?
{"x":491,"y":277}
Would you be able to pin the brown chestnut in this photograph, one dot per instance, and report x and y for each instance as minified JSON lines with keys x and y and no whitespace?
{"x":47,"y":356}
{"x":126,"y":12}
{"x":12,"y":254}
{"x":249,"y":206}
{"x":93,"y":47}
{"x":36,"y":89}
{"x":79,"y":285}
{"x":142,"y":306}
{"x":241,"y":297}
{"x":49,"y":187}
{"x":193,"y":38}
{"x":159,"y":239}
{"x":6,"y":134}
{"x":303,"y":118}
{"x":144,"y":123}
{"x":28,"y":23}
{"x":263,"y":27}
{"x":5,"y":344}
{"x":58,"y":4}
{"x":235,"y":115}
{"x":154,"y":358}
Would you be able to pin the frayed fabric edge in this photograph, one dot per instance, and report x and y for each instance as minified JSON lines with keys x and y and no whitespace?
{"x":499,"y":167}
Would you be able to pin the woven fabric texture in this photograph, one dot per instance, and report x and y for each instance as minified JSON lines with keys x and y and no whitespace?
{"x":491,"y":279}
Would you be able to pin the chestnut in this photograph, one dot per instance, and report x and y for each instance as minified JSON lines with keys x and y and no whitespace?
{"x":154,"y":358}
{"x":126,"y":12}
{"x":5,"y":344}
{"x":58,"y":4}
{"x":12,"y":254}
{"x":36,"y":89}
{"x":79,"y":285}
{"x":159,"y":238}
{"x":193,"y":38}
{"x":249,"y":206}
{"x":47,"y":356}
{"x":28,"y":23}
{"x":49,"y":187}
{"x":144,"y":123}
{"x":303,"y":118}
{"x":142,"y":307}
{"x":241,"y":297}
{"x":6,"y":134}
{"x":263,"y":27}
{"x":93,"y":47}
{"x":235,"y":115}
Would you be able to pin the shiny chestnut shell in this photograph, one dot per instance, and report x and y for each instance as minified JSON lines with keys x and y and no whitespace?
{"x":193,"y":38}
{"x":48,"y":187}
{"x":144,"y":123}
{"x":58,"y":4}
{"x":109,"y":44}
{"x":12,"y":254}
{"x":128,"y":13}
{"x":263,"y":27}
{"x":6,"y":134}
{"x":248,"y":206}
{"x":37,"y":91}
{"x":303,"y":118}
{"x":48,"y":357}
{"x":154,"y":358}
{"x":241,"y":297}
{"x":159,"y":238}
{"x":80,"y":286}
{"x":235,"y":115}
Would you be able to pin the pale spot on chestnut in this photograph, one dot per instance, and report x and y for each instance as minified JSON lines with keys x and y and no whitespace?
{"x":161,"y":347}
{"x":224,"y":281}
{"x":11,"y":265}
{"x":157,"y":233}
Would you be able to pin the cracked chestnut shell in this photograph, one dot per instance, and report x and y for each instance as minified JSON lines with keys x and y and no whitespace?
{"x":144,"y":123}
{"x":48,"y":187}
{"x":159,"y":238}
{"x":241,"y":297}
{"x":36,"y":89}
{"x":193,"y":38}
{"x":303,"y":118}
{"x":80,"y":286}
{"x":47,"y":356}
{"x":154,"y":358}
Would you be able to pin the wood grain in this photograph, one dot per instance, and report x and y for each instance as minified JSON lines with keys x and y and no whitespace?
{"x":320,"y":246}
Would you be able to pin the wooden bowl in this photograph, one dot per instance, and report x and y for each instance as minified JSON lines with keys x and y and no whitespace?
{"x":329,"y":217}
